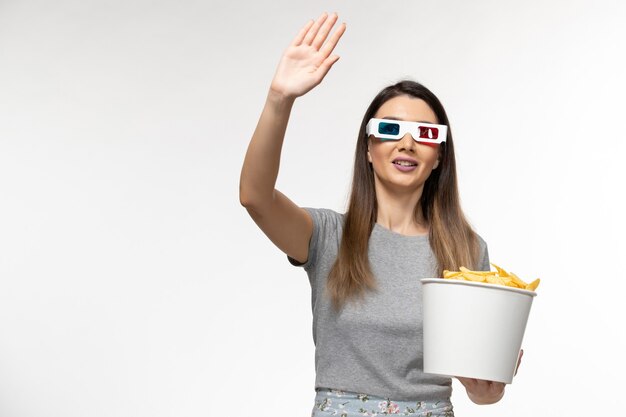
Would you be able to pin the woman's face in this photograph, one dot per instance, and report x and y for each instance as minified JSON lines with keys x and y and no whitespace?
{"x":384,"y":155}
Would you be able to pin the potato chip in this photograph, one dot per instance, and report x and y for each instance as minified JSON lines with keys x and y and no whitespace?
{"x":518,"y":282}
{"x":533,"y":285}
{"x":495,"y":279}
{"x":474,"y":277}
{"x":499,"y":277}
{"x":450,"y":274}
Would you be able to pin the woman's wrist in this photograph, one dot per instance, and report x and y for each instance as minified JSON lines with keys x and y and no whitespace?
{"x":280,"y":100}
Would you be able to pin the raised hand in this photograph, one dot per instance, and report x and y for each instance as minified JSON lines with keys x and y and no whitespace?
{"x":308,"y":58}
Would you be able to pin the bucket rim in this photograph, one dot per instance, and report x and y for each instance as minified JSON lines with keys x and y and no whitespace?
{"x":477,"y":284}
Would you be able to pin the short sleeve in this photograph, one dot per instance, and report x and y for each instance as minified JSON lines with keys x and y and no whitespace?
{"x":325,"y":225}
{"x":483,"y":264}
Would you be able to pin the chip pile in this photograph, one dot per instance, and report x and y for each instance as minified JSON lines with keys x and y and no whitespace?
{"x":499,"y":276}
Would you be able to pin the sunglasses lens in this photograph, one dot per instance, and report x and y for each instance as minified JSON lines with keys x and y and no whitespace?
{"x":387,"y":128}
{"x":429,"y":132}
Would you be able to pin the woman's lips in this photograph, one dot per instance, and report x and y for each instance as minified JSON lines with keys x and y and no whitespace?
{"x":405,"y":168}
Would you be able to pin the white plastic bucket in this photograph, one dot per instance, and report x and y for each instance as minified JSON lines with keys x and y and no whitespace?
{"x":472,"y":329}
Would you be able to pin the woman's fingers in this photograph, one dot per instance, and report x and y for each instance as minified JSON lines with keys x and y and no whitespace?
{"x":323,"y":32}
{"x":467,"y":382}
{"x":474,"y":383}
{"x":300,"y":36}
{"x":312,"y":33}
{"x":332,"y":42}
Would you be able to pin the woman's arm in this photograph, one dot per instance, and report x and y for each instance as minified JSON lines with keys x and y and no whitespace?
{"x":303,"y":66}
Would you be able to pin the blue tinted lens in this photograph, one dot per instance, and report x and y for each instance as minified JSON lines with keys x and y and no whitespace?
{"x":386,"y":128}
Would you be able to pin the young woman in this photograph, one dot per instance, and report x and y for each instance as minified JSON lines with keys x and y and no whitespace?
{"x":404,"y":222}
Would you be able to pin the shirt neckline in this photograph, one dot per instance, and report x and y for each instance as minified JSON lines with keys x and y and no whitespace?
{"x":391,"y":232}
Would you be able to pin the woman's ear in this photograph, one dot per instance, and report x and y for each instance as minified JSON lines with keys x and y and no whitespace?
{"x":436,"y":164}
{"x":369,"y":157}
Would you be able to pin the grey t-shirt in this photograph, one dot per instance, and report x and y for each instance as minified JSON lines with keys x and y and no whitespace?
{"x":375,"y":346}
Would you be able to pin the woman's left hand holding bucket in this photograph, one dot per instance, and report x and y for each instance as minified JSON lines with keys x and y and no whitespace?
{"x":486,"y":392}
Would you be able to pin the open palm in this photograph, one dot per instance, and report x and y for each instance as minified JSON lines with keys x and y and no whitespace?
{"x":308,"y":58}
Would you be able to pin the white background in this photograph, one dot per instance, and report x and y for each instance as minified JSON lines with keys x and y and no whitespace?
{"x":132,"y":283}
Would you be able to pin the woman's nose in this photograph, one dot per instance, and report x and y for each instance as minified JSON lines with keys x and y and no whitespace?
{"x":406,"y":142}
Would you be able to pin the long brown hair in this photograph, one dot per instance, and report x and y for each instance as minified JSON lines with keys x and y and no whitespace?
{"x":452,"y":239}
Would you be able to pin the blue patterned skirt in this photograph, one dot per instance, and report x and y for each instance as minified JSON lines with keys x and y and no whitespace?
{"x":332,"y":402}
